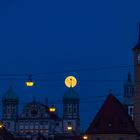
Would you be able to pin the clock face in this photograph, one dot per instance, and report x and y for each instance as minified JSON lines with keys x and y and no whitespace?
{"x":139,"y":58}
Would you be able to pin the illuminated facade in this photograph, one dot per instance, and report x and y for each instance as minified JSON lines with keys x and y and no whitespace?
{"x":40,"y":118}
{"x":71,"y":118}
{"x":36,"y":118}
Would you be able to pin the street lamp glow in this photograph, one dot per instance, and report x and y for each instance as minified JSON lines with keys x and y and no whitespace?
{"x":85,"y":137}
{"x":52,"y":109}
{"x":1,"y":125}
{"x":69,"y":128}
{"x":70,"y":81}
{"x":29,"y":83}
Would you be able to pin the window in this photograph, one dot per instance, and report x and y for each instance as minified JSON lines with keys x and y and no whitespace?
{"x":127,"y":91}
{"x":74,"y":110}
{"x":130,"y":110}
{"x":8,"y":124}
{"x":57,"y":124}
{"x":69,"y":123}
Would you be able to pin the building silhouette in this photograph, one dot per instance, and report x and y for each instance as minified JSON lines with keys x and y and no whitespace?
{"x":112,"y":122}
{"x":129,"y":95}
{"x":136,"y":51}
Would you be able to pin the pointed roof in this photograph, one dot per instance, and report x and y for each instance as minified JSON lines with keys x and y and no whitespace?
{"x":112,"y":118}
{"x":138,"y":44}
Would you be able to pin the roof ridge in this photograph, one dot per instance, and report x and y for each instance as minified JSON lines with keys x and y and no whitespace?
{"x":110,"y":118}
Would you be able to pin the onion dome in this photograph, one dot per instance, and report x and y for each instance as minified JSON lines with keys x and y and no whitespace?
{"x":71,"y":95}
{"x":10,"y":95}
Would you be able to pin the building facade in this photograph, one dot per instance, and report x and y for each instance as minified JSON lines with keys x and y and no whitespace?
{"x":40,"y":118}
{"x":71,"y":118}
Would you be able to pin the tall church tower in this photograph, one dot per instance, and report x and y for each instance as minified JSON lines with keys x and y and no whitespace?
{"x":71,"y":119}
{"x":136,"y":51}
{"x":129,"y":95}
{"x":10,"y":110}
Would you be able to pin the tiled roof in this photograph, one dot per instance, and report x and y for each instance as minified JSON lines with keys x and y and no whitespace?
{"x":112,"y":118}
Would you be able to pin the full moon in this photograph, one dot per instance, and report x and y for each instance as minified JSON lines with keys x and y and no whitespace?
{"x":70,"y":81}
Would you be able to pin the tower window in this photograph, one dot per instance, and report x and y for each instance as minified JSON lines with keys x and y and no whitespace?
{"x":74,"y":110}
{"x":69,"y":123}
{"x":57,"y":124}
{"x":130,"y":109}
{"x":127,"y":91}
{"x":69,"y":110}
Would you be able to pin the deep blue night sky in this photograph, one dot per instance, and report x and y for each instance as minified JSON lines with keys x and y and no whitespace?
{"x":50,"y":36}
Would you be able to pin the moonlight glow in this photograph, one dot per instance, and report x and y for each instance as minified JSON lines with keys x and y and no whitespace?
{"x":70,"y":81}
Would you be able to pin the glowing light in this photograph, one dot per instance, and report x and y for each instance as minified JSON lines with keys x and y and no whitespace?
{"x":29,"y":83}
{"x":70,"y":81}
{"x":69,"y":128}
{"x":85,"y":137}
{"x":52,"y":109}
{"x":1,"y":125}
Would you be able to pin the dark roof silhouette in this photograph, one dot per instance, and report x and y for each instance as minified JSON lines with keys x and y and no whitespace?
{"x":112,"y":118}
{"x":5,"y":135}
{"x":67,"y":137}
{"x":39,"y":137}
{"x":23,"y":138}
{"x":137,"y":46}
